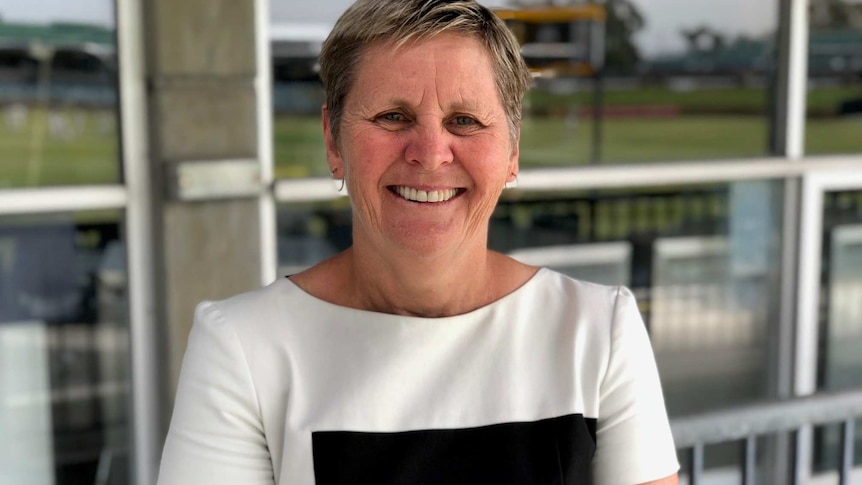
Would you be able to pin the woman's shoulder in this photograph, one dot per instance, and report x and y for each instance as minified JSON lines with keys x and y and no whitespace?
{"x":586,"y":296}
{"x":595,"y":312}
{"x":251,"y":312}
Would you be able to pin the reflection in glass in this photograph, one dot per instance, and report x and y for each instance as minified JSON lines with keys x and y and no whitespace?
{"x":841,"y":323}
{"x":58,"y":96}
{"x":840,"y":358}
{"x":297,"y":99}
{"x":694,"y":84}
{"x":311,"y":232}
{"x":834,"y":77}
{"x":64,"y":345}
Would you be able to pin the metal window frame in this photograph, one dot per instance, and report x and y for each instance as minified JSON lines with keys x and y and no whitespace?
{"x":263,"y":87}
{"x":814,"y":185}
{"x":140,"y":244}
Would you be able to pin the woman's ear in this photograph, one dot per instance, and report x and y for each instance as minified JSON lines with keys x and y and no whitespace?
{"x":333,"y":157}
{"x":513,"y":157}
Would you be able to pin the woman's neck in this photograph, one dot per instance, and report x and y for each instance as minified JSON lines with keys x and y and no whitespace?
{"x":445,"y":285}
{"x":417,"y":286}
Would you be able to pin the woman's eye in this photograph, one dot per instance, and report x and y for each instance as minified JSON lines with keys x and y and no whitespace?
{"x":464,"y":121}
{"x":392,"y":117}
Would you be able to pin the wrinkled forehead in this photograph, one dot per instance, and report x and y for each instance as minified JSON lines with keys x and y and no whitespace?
{"x":453,"y":67}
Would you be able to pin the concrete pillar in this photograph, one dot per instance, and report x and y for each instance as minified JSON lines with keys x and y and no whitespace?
{"x":202,"y":104}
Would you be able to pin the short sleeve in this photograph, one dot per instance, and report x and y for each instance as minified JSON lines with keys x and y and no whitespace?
{"x":216,"y":435}
{"x":633,"y":438}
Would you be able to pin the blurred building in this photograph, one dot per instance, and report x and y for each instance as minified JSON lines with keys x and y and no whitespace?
{"x":176,"y":155}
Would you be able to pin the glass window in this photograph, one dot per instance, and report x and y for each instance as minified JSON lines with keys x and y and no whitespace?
{"x":841,"y":318}
{"x":840,"y":361}
{"x":834,"y":77}
{"x":297,"y":92}
{"x":64,"y":347}
{"x":58,"y":93}
{"x":703,"y":262}
{"x":678,"y":81}
{"x":310,"y":232}
{"x":675,"y":81}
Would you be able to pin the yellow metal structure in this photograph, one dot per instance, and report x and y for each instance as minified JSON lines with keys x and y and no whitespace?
{"x":570,"y":57}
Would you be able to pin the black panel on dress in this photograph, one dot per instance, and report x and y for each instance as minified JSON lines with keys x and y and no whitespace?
{"x":554,"y":451}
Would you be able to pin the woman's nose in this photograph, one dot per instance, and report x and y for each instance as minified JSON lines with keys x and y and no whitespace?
{"x":430,"y":147}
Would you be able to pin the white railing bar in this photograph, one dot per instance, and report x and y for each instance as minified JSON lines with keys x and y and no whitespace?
{"x":62,"y":199}
{"x":306,"y":190}
{"x":738,"y":423}
{"x":677,"y":173}
{"x":618,"y":176}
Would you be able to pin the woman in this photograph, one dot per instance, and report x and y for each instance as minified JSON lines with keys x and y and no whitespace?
{"x":418,"y":356}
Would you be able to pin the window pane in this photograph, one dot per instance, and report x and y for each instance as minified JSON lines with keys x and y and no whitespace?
{"x":840,"y":361}
{"x":64,"y":347}
{"x":58,"y":93}
{"x":841,"y":301}
{"x":834,"y":77}
{"x":297,"y":93}
{"x":681,"y":81}
{"x":703,"y":262}
{"x":311,"y":232}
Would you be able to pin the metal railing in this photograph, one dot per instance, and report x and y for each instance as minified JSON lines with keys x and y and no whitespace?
{"x":746,"y":423}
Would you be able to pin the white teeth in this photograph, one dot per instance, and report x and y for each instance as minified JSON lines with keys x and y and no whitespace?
{"x":410,"y":193}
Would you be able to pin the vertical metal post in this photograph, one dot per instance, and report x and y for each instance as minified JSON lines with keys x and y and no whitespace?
{"x":598,"y":107}
{"x":263,"y":86}
{"x":695,"y":465}
{"x":807,"y":314}
{"x":805,"y":351}
{"x":848,"y":435}
{"x":597,"y":59}
{"x":140,"y":245}
{"x":749,"y":461}
{"x":797,"y":79}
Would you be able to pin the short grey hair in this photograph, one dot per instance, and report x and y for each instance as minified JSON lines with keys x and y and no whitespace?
{"x":400,"y":21}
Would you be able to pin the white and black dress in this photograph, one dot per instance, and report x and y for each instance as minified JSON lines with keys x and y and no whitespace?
{"x":553,"y":384}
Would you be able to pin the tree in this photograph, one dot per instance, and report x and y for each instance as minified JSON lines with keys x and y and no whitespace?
{"x":704,"y":39}
{"x":835,"y":14}
{"x":624,"y":20}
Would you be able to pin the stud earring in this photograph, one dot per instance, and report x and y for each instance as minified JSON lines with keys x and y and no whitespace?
{"x":511,"y":184}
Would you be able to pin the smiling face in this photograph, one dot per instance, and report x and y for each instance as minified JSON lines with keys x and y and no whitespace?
{"x":425,"y":147}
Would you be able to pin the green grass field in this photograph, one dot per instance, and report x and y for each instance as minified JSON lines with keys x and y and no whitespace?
{"x":555,"y":142}
{"x":75,"y":146}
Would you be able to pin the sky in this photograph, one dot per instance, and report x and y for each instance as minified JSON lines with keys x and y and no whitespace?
{"x":665,"y":18}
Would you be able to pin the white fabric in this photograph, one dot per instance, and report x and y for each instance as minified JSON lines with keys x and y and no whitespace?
{"x":265,"y":369}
